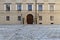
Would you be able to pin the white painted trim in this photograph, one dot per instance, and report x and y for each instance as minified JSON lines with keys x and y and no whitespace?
{"x":16,"y":6}
{"x":4,"y":6}
{"x":11,"y":7}
{"x":21,"y":7}
{"x":42,"y":6}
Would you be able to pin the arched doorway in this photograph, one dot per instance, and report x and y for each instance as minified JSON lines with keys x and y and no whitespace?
{"x":29,"y":19}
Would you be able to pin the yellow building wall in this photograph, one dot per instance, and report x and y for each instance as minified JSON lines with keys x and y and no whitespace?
{"x":45,"y":13}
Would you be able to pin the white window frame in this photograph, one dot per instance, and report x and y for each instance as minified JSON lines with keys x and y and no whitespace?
{"x":49,"y":6}
{"x":27,"y":6}
{"x":21,"y":6}
{"x":42,"y":6}
{"x":5,"y":6}
{"x":51,"y":18}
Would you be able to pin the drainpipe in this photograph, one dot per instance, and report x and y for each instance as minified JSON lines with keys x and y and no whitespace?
{"x":35,"y":11}
{"x":23,"y":20}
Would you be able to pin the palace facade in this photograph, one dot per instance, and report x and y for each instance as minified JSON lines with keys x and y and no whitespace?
{"x":29,"y":11}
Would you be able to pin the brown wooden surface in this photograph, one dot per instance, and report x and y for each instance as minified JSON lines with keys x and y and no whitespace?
{"x":29,"y":19}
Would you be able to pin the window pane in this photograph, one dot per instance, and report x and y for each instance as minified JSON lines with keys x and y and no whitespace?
{"x":51,"y":18}
{"x":51,"y":7}
{"x":7,"y":7}
{"x":19,"y":18}
{"x":29,"y":7}
{"x":40,"y":18}
{"x":19,"y":7}
{"x":40,"y":7}
{"x":7,"y":18}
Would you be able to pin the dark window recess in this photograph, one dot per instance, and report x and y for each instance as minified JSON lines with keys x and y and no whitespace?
{"x":51,"y":18}
{"x":8,"y":7}
{"x":40,"y":23}
{"x":40,"y":18}
{"x":19,"y":18}
{"x":52,"y":23}
{"x":7,"y":18}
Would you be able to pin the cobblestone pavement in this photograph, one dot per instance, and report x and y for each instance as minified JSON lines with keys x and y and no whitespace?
{"x":29,"y":32}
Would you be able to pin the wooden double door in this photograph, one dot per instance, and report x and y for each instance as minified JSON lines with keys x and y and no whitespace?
{"x":29,"y":19}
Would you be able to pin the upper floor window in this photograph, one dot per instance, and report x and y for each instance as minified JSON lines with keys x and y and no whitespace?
{"x":51,"y":6}
{"x":19,"y":7}
{"x":7,"y":6}
{"x":40,"y":7}
{"x":29,"y":7}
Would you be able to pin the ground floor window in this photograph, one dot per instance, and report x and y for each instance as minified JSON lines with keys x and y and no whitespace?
{"x":19,"y":18}
{"x":40,"y":18}
{"x":51,"y":18}
{"x":7,"y":18}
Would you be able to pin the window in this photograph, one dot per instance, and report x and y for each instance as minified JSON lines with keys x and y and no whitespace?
{"x":51,"y":18}
{"x":19,"y":18}
{"x":19,"y":7}
{"x":40,"y":7}
{"x":7,"y":6}
{"x":40,"y":18}
{"x":29,"y":7}
{"x":7,"y":18}
{"x":51,"y":6}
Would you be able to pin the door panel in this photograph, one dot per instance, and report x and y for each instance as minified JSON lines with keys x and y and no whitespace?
{"x":29,"y":19}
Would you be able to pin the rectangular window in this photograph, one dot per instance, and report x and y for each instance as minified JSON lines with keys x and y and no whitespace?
{"x":7,"y":18}
{"x":29,"y":7}
{"x":51,"y":8}
{"x":40,"y":7}
{"x":51,"y":18}
{"x":19,"y":18}
{"x":7,"y":6}
{"x":40,"y":18}
{"x":19,"y":7}
{"x":51,"y":5}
